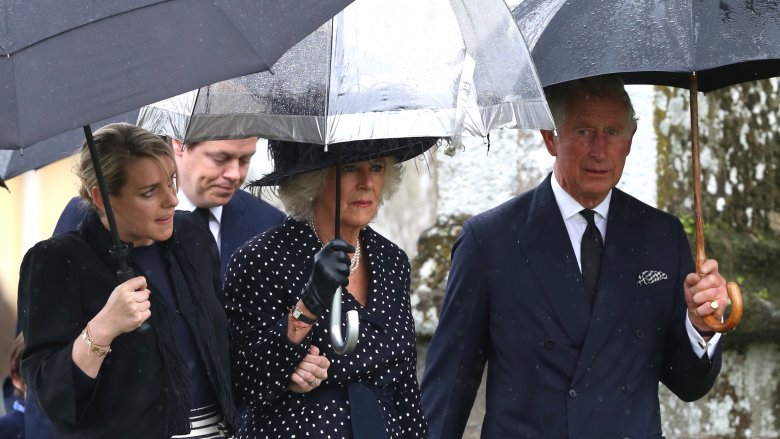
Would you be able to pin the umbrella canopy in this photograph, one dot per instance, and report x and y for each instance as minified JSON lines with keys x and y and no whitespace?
{"x":726,"y":42}
{"x":698,"y":45}
{"x":16,"y":162}
{"x":377,"y":70}
{"x":68,"y":63}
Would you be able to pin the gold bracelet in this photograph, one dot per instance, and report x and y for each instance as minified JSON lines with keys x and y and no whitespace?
{"x":297,"y":324}
{"x":100,"y":351}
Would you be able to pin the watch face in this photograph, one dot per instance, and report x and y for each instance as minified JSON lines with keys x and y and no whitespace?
{"x":299,"y":315}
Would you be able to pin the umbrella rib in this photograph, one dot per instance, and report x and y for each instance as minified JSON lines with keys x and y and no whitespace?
{"x":8,"y":53}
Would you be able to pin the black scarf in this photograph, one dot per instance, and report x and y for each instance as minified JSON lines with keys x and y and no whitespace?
{"x":189,"y":294}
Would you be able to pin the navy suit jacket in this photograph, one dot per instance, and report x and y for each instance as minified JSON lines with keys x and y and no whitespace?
{"x":516,"y":301}
{"x":242,"y":218}
{"x":12,"y":425}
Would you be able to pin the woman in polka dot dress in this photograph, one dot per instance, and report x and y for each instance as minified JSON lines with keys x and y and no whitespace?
{"x":279,"y":286}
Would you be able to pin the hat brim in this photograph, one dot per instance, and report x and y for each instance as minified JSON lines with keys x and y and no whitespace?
{"x":296,"y":158}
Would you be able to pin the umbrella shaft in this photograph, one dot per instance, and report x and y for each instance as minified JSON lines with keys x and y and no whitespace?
{"x":697,"y":208}
{"x":337,"y":229}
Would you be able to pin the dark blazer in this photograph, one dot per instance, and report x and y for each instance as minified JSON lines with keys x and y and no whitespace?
{"x":62,"y":286}
{"x":244,"y":217}
{"x":515,"y":299}
{"x":12,"y":425}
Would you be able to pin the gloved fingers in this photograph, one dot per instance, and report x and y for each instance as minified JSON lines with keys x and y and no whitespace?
{"x":339,"y":245}
{"x":339,"y":278}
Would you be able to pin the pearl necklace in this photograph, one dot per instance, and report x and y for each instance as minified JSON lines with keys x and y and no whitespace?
{"x":354,"y":263}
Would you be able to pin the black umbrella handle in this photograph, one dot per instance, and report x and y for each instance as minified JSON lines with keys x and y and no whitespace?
{"x":125,"y":272}
{"x":120,"y":252}
{"x":121,"y":255}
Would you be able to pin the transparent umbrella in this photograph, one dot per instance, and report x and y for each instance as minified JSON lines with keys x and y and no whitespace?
{"x":377,"y":70}
{"x":438,"y":68}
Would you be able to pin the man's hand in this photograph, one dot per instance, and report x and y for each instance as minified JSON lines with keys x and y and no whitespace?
{"x":705,"y":294}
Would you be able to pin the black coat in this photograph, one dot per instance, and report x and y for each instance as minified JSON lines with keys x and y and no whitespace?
{"x":63,"y":285}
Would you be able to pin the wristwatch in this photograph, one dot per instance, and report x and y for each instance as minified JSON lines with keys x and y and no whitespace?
{"x":301,"y":317}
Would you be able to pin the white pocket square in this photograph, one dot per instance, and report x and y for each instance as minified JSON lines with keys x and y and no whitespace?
{"x":648,"y":277}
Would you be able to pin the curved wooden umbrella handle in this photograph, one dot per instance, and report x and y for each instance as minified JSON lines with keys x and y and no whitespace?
{"x":735,"y":295}
{"x":732,"y":288}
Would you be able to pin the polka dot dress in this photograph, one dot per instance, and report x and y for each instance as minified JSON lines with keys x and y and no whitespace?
{"x":264,"y":279}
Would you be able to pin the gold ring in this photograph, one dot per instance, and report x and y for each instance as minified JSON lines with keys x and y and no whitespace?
{"x":314,"y":382}
{"x":714,"y":304}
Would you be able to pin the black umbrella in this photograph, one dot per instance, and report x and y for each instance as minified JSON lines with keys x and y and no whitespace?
{"x":66,"y":64}
{"x":658,"y":42}
{"x":14,"y":162}
{"x":699,"y":45}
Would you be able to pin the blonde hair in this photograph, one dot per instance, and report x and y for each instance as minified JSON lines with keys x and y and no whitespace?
{"x":298,"y":193}
{"x":116,"y":145}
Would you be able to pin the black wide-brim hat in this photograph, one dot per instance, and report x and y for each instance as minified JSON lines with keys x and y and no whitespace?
{"x":295,"y":158}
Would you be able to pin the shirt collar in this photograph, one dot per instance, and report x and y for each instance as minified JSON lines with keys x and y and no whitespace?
{"x":186,"y":204}
{"x":570,"y":207}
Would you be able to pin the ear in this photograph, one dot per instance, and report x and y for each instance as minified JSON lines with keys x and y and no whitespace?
{"x":97,"y":198}
{"x":550,"y":141}
{"x":178,"y":147}
{"x":18,"y":383}
{"x":630,"y":140}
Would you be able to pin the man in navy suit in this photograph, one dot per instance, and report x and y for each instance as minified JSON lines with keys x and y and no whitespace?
{"x":210,"y":176}
{"x":566,"y":360}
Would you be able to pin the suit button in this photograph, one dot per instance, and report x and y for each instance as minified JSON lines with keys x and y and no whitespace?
{"x":639,"y":333}
{"x":572,"y":393}
{"x":548,"y":344}
{"x":625,"y":388}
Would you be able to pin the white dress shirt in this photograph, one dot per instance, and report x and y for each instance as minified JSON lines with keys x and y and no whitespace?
{"x":576,"y":224}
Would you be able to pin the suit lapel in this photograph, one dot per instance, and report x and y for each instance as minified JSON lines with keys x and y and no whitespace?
{"x":544,"y":240}
{"x":617,"y":279}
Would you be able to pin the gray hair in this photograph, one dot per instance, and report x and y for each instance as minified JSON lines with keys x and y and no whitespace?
{"x":600,"y":86}
{"x":299,"y":192}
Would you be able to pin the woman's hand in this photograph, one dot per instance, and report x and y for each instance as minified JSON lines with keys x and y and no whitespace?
{"x":331,"y":270}
{"x":310,"y":373}
{"x":126,"y":309}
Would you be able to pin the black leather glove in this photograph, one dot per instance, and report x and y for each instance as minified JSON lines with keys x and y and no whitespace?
{"x":331,"y":269}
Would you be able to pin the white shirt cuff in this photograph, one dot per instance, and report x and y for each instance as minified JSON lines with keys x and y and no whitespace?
{"x":697,"y":342}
